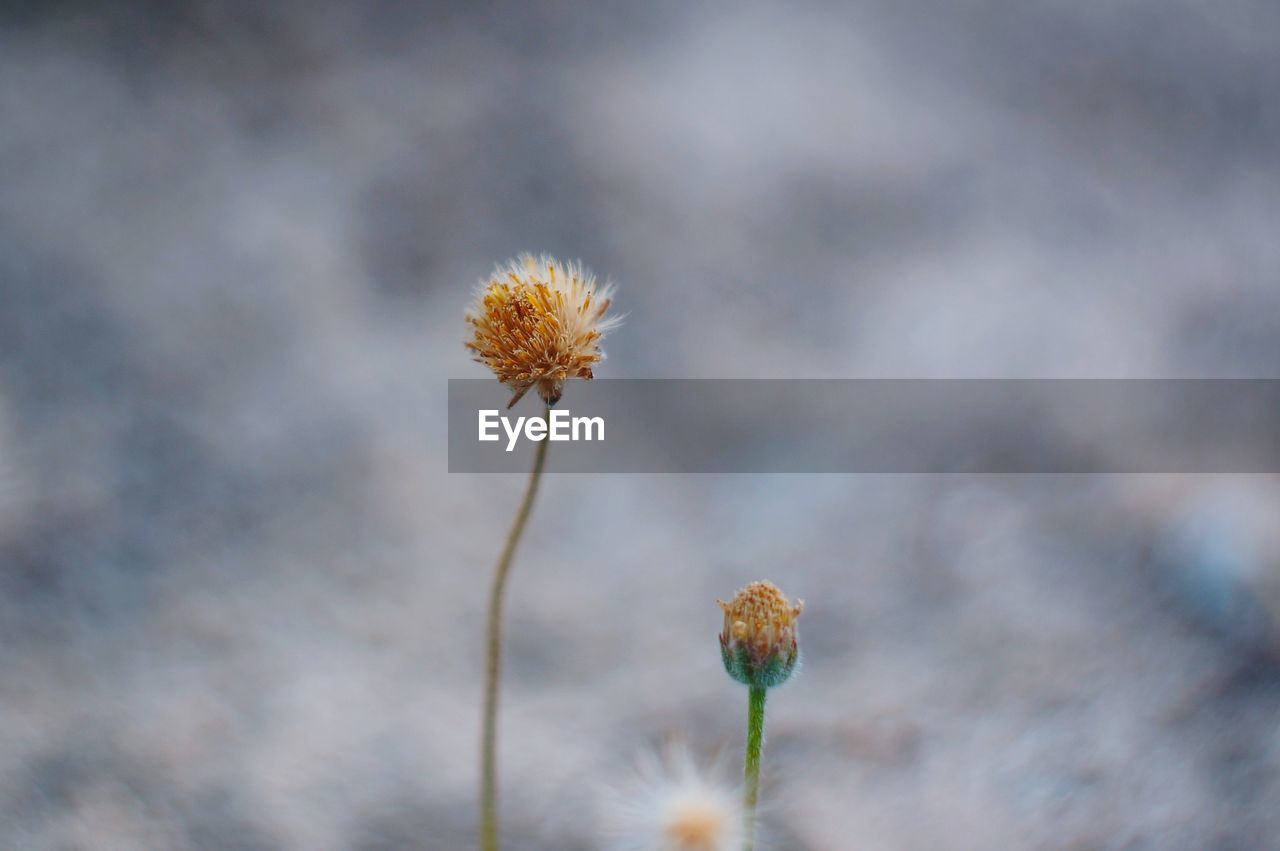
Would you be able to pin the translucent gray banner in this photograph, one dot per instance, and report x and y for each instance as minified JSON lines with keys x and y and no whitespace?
{"x":875,"y":426}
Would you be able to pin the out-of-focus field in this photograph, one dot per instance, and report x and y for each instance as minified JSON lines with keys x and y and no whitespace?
{"x":241,"y":598}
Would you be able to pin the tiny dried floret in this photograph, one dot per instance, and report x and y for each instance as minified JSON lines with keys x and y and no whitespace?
{"x":760,"y":640}
{"x":537,"y":322}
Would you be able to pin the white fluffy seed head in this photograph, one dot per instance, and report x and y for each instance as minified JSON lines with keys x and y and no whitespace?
{"x":537,"y":322}
{"x":672,"y":805}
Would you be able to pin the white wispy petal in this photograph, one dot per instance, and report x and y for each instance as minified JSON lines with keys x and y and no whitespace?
{"x":670,"y":804}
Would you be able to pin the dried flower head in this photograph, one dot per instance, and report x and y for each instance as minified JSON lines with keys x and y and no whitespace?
{"x":537,"y":322}
{"x":671,"y":805}
{"x":760,"y":639}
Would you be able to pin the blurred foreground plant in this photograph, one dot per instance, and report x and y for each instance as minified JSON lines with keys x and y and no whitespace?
{"x":760,"y":647}
{"x":536,"y":323}
{"x":670,"y":804}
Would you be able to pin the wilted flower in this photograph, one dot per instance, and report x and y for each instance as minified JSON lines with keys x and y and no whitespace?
{"x":759,"y":642}
{"x":671,"y":805}
{"x":538,"y":322}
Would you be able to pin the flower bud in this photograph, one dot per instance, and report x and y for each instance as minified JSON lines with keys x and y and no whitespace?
{"x":759,"y":643}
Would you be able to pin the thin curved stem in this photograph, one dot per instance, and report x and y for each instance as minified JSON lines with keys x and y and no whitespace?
{"x":493,"y":668}
{"x":755,"y":743}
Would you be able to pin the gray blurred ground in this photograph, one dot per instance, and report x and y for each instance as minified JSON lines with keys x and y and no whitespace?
{"x":241,"y":597}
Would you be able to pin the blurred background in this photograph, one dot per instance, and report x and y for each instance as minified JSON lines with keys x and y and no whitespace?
{"x":241,"y":598}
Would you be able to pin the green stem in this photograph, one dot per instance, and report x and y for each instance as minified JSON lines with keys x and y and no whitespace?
{"x":493,"y":668}
{"x":755,"y":743}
